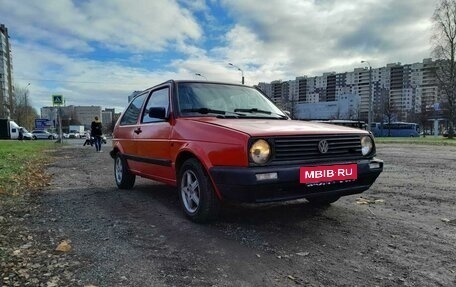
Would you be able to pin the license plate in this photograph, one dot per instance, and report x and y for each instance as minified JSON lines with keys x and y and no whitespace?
{"x":328,"y":173}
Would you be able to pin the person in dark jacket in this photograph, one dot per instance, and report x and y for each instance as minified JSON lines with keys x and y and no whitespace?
{"x":21,"y":134}
{"x":96,"y":132}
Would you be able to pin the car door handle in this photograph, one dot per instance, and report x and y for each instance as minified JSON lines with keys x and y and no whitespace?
{"x":138,"y":131}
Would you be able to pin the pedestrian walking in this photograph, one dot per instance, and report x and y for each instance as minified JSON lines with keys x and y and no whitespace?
{"x":96,"y":132}
{"x":21,"y":134}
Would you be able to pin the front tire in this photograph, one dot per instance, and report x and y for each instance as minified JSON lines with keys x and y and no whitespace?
{"x":124,"y":178}
{"x":196,"y":193}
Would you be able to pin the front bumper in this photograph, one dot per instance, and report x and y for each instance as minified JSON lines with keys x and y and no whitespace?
{"x":241,"y":184}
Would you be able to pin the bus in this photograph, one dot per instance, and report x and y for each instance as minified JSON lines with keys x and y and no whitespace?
{"x":347,"y":123}
{"x":395,"y":129}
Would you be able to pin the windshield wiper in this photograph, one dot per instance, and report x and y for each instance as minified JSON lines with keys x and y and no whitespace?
{"x":255,"y":110}
{"x":206,"y":111}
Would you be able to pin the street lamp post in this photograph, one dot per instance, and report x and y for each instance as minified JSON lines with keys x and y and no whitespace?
{"x":26,"y":107}
{"x":239,"y":69}
{"x":369,"y":109}
{"x":200,"y":75}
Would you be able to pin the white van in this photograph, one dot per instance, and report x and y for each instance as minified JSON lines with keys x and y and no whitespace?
{"x":14,"y":130}
{"x":10,"y":130}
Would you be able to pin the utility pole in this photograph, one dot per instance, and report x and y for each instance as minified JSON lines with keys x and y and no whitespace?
{"x":239,"y":69}
{"x":369,"y":109}
{"x":26,"y":107}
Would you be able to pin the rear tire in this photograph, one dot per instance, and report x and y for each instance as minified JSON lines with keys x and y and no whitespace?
{"x":196,"y":193}
{"x":124,"y":178}
{"x":323,"y":201}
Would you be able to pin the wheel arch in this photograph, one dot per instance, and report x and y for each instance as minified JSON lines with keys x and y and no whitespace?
{"x":185,"y":155}
{"x":115,"y":150}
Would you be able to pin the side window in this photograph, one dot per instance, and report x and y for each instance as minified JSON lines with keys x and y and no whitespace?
{"x":131,"y":114}
{"x":159,"y":98}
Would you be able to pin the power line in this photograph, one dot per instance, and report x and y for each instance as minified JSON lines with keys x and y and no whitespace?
{"x":71,"y":81}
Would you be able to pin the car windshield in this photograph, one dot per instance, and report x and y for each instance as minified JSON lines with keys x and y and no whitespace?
{"x":222,"y":100}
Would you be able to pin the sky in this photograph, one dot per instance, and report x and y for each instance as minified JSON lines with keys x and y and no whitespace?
{"x":97,"y":52}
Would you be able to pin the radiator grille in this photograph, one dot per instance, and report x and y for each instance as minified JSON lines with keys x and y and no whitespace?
{"x":305,"y":148}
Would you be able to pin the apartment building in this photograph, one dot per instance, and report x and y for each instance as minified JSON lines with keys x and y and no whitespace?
{"x":86,"y":114}
{"x":398,"y":88}
{"x":77,"y":115}
{"x":6,"y":72}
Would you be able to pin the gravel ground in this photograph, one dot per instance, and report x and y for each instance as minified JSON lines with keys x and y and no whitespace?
{"x":401,"y":232}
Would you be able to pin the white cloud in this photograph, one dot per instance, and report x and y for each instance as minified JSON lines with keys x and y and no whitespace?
{"x":141,"y":25}
{"x":321,"y":36}
{"x":81,"y":81}
{"x":269,"y":40}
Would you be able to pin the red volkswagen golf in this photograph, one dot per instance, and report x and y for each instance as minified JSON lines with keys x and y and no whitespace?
{"x":225,"y":142}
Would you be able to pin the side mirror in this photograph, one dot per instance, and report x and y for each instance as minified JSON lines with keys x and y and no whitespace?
{"x":157,"y":112}
{"x":288,"y":113}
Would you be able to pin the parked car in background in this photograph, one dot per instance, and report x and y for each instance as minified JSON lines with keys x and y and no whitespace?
{"x":26,"y":134}
{"x":73,"y":134}
{"x":445,"y":133}
{"x":41,"y":134}
{"x":225,"y":142}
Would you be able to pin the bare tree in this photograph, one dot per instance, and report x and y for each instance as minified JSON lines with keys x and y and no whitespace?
{"x":424,"y":116}
{"x":352,"y":113}
{"x":390,"y":111}
{"x":23,"y":112}
{"x":444,"y":40}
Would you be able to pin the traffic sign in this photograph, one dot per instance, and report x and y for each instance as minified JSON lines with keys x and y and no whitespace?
{"x":41,"y":124}
{"x":57,"y":100}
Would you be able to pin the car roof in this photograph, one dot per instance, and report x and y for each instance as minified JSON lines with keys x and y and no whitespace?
{"x":174,"y":82}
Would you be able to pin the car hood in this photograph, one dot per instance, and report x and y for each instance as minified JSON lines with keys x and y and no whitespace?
{"x":266,"y":127}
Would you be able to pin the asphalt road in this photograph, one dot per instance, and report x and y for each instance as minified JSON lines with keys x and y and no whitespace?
{"x":402,"y":232}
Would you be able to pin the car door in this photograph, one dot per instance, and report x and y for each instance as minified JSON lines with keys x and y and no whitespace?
{"x":153,"y":140}
{"x":127,"y":131}
{"x":38,"y":134}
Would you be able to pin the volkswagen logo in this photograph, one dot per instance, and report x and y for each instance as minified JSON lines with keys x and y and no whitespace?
{"x":323,"y":146}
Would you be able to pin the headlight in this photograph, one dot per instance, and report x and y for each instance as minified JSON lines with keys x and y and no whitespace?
{"x":366,"y":145}
{"x":260,"y":151}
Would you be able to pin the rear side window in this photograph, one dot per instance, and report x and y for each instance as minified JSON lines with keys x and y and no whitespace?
{"x":131,"y":114}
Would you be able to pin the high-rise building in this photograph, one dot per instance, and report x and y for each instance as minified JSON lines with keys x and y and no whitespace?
{"x":86,"y":114}
{"x":394,"y":88}
{"x":72,"y":115}
{"x":6,"y":72}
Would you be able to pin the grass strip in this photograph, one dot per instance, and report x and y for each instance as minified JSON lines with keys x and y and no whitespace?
{"x":428,"y":140}
{"x":22,"y":165}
